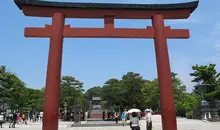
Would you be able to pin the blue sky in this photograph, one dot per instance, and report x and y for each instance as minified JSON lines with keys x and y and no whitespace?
{"x":93,"y":61}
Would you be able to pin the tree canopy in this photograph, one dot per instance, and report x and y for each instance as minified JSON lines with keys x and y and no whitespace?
{"x":210,"y":76}
{"x":128,"y":92}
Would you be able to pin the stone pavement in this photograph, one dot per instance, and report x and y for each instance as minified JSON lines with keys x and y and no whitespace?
{"x":183,"y":124}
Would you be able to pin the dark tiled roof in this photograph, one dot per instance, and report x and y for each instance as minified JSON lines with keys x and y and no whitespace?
{"x":189,"y":5}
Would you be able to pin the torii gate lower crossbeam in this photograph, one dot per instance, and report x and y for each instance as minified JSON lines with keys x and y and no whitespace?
{"x":57,"y":31}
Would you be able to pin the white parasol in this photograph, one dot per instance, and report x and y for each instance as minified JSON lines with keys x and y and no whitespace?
{"x":134,"y":110}
{"x":149,"y":110}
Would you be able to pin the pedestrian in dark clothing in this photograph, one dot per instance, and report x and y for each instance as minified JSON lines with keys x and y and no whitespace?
{"x":116,"y":117}
{"x":103,"y":115}
{"x":14,"y":120}
{"x":109,"y":114}
{"x":31,"y":116}
{"x":10,"y":120}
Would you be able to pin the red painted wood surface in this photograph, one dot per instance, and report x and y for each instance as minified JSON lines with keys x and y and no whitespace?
{"x":52,"y":89}
{"x":168,"y":111}
{"x":107,"y":32}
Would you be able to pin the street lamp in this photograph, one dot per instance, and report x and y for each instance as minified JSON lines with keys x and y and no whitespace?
{"x":201,"y":87}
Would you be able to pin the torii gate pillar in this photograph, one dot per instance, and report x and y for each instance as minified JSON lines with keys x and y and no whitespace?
{"x":52,"y":90}
{"x":164,"y":75}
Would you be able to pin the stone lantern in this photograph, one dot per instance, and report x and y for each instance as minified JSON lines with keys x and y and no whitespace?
{"x":201,"y":87}
{"x":65,"y":111}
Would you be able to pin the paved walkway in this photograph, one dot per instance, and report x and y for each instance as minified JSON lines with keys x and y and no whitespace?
{"x":183,"y":124}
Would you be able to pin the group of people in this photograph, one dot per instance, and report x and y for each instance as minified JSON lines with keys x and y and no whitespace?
{"x":135,"y":121}
{"x":113,"y":115}
{"x":20,"y":118}
{"x":13,"y":118}
{"x":36,"y":116}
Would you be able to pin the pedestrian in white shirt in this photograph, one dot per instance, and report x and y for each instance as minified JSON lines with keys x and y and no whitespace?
{"x":148,"y":120}
{"x":41,"y":116}
{"x":1,"y":119}
{"x":86,"y":115}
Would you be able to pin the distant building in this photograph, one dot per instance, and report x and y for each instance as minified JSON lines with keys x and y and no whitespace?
{"x":96,"y":103}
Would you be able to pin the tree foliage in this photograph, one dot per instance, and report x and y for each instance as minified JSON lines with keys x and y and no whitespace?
{"x":17,"y":96}
{"x":128,"y":92}
{"x":93,"y":92}
{"x":15,"y":93}
{"x":71,"y":91}
{"x":210,"y":76}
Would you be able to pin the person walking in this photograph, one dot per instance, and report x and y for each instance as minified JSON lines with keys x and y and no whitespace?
{"x":116,"y":117}
{"x":18,"y":118}
{"x":1,"y":119}
{"x":108,"y":115}
{"x":10,"y":120}
{"x":148,"y":120}
{"x":23,"y":118}
{"x":31,"y":116}
{"x":123,"y":117}
{"x":34,"y":117}
{"x":86,"y":115}
{"x":103,"y":115}
{"x":14,"y":120}
{"x":37,"y":116}
{"x":134,"y":121}
{"x":41,"y":116}
{"x":26,"y":118}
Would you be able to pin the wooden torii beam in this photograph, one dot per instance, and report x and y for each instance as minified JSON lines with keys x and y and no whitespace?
{"x":69,"y":32}
{"x":107,"y":32}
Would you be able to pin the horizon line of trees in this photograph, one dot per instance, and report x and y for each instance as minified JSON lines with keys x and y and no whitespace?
{"x":129,"y":91}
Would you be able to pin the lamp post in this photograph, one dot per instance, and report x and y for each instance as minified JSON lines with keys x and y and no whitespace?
{"x":201,"y":87}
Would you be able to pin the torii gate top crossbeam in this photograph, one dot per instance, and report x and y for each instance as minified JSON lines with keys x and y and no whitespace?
{"x":100,"y":10}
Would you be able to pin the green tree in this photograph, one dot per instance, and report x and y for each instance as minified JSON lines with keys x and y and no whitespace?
{"x":71,"y":91}
{"x":133,"y":83}
{"x":11,"y":93}
{"x":33,"y":99}
{"x":209,"y":75}
{"x":151,"y":94}
{"x":93,"y":92}
{"x":111,"y":92}
{"x":183,"y":101}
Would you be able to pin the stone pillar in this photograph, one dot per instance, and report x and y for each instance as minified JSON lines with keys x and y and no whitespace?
{"x":164,"y":75}
{"x":209,"y":115}
{"x":52,"y":90}
{"x":205,"y":117}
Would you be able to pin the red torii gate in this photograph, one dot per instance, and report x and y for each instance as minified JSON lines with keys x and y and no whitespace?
{"x":58,"y":30}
